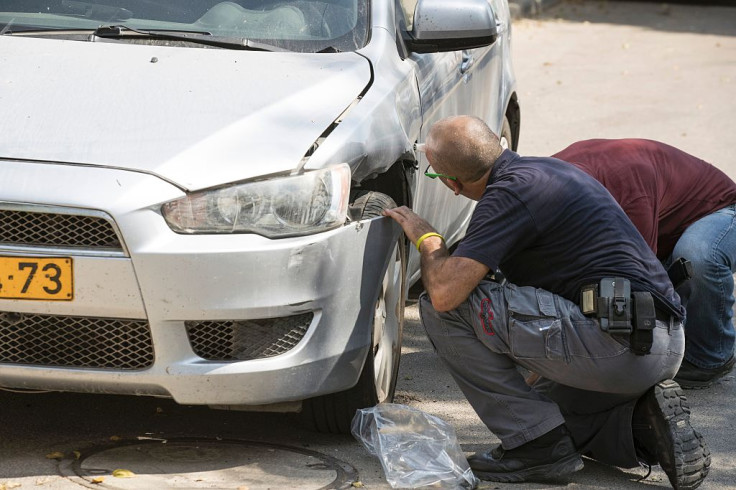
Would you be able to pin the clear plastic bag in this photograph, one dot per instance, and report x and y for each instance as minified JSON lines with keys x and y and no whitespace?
{"x":415,"y":449}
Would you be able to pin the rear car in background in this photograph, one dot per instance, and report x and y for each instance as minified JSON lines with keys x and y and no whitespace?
{"x":191,"y":192}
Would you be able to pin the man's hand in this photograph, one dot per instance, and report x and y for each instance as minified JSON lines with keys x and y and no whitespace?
{"x":413,"y":225}
{"x":448,"y":280}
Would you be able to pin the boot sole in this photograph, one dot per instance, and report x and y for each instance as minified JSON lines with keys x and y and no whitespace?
{"x":688,"y":462}
{"x":691,"y":384}
{"x":696,"y":385}
{"x":543,"y":473}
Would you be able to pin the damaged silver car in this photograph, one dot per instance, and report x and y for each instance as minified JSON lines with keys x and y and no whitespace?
{"x":191,"y":191}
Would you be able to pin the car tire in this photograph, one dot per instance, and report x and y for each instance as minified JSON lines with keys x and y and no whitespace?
{"x":333,"y":413}
{"x":506,"y":136}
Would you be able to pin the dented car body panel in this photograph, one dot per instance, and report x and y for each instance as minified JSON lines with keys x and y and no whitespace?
{"x":168,"y":279}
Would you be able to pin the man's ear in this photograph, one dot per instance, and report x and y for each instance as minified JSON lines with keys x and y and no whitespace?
{"x":457,"y":187}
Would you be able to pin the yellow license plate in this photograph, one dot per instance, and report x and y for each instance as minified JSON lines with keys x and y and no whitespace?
{"x":43,"y":278}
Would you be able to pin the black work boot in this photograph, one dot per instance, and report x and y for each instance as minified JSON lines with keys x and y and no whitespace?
{"x":691,"y":377}
{"x":663,"y":435}
{"x":549,"y":457}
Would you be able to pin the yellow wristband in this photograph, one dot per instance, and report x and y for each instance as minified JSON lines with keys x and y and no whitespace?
{"x":427,"y":235}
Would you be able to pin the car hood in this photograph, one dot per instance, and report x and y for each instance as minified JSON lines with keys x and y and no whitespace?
{"x":193,"y":116}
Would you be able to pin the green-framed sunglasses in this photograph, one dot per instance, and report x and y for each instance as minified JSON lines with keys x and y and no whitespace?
{"x":433,"y":175}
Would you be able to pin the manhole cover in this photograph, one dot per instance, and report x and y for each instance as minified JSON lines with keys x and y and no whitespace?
{"x":198,"y":463}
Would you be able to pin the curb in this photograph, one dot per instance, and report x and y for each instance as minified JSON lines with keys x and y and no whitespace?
{"x":529,"y":8}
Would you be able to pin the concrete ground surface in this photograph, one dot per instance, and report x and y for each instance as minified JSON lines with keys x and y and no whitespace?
{"x":585,"y":69}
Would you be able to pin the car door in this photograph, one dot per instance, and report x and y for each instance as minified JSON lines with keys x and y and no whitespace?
{"x":451,"y":83}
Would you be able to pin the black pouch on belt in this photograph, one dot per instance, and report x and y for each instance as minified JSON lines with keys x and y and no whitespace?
{"x":680,"y":271}
{"x":644,"y":322}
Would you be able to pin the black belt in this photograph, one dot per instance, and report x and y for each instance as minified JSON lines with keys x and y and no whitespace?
{"x":621,"y":311}
{"x":663,"y":316}
{"x":592,"y":307}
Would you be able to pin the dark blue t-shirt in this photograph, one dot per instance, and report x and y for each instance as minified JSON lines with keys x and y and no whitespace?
{"x":545,"y":223}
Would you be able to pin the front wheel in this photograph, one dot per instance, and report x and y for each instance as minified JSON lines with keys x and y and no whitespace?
{"x":506,"y":137}
{"x":377,"y":382}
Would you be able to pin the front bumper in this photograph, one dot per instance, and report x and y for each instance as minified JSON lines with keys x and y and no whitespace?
{"x":167,"y":280}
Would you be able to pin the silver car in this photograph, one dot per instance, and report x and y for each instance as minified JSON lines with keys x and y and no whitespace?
{"x":191,"y":191}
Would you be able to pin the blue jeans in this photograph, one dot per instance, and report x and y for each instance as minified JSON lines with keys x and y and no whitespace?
{"x":710,"y":244}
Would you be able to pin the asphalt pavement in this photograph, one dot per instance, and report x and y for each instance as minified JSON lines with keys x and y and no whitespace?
{"x":585,"y":69}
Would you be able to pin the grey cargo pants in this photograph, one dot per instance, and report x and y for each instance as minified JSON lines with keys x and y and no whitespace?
{"x":591,"y":381}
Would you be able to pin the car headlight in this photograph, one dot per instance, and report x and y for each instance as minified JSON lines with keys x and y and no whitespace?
{"x":285,"y":206}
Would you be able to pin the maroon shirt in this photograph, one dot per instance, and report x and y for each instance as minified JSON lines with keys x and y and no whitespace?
{"x":662,"y":189}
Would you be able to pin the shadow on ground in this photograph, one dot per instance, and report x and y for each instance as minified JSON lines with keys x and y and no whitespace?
{"x":672,"y":17}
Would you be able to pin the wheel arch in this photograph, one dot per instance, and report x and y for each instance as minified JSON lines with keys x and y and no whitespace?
{"x":396,"y":182}
{"x":513,"y":114}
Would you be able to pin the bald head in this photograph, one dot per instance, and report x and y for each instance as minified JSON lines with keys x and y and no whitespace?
{"x":462,"y":146}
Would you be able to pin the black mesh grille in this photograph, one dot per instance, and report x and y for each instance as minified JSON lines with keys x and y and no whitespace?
{"x":56,"y":230}
{"x":46,"y":340}
{"x":243,"y":340}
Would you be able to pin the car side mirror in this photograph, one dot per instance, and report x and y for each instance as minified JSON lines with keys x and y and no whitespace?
{"x":452,"y":25}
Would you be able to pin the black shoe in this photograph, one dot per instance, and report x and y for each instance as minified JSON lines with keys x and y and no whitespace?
{"x":550,"y":457}
{"x":692,"y":377}
{"x":663,"y":435}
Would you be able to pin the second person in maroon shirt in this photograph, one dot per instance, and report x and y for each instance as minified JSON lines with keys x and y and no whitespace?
{"x":683,"y":207}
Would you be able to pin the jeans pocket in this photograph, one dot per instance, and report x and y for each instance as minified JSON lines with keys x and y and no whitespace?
{"x":537,"y":338}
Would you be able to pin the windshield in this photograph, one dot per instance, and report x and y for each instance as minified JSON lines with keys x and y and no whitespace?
{"x":296,"y":25}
